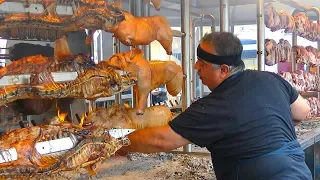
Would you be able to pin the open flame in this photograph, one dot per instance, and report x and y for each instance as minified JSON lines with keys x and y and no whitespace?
{"x":83,"y":117}
{"x":61,"y":116}
{"x":90,"y":106}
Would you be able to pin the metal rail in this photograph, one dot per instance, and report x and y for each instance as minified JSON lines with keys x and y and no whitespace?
{"x":260,"y":35}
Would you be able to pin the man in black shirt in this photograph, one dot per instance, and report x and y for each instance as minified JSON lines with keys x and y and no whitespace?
{"x":246,"y":122}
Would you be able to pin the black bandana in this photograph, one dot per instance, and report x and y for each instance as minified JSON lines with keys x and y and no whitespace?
{"x":228,"y":60}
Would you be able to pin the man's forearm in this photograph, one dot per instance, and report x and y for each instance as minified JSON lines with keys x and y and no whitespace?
{"x":157,"y":139}
{"x":145,"y":141}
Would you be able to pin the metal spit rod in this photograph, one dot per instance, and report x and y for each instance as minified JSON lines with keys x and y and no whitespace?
{"x":260,"y":35}
{"x":185,"y":62}
{"x":147,"y":48}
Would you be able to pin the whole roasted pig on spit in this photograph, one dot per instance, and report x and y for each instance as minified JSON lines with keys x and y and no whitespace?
{"x":143,"y":30}
{"x":150,"y":74}
{"x":91,"y":84}
{"x":61,"y":146}
{"x":42,"y":65}
{"x":49,"y":25}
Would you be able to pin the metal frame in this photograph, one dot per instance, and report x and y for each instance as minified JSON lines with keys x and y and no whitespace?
{"x":194,"y":24}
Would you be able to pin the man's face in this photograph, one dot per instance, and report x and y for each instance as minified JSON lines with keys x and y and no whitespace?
{"x":210,"y":76}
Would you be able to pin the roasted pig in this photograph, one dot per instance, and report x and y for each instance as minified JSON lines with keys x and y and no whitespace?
{"x":143,"y":30}
{"x":150,"y":74}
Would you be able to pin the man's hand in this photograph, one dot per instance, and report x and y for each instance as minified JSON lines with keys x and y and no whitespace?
{"x":157,"y":139}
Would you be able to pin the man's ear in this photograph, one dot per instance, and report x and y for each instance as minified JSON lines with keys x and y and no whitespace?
{"x":225,"y":70}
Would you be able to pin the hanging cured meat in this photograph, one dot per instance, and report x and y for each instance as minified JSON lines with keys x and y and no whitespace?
{"x":271,"y":56}
{"x":276,"y":20}
{"x":272,"y":18}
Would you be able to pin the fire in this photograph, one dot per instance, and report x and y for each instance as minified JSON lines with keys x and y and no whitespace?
{"x":84,"y":115}
{"x":61,"y":116}
{"x":82,"y":119}
{"x":126,"y":105}
{"x":90,"y":108}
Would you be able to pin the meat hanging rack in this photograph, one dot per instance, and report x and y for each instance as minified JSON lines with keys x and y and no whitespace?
{"x":309,"y":140}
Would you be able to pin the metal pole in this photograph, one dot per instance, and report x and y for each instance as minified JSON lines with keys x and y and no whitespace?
{"x":131,"y":6}
{"x":224,"y":15}
{"x":232,"y":28}
{"x":132,"y":11}
{"x":294,"y":65}
{"x":193,"y":58}
{"x":185,"y":44}
{"x":213,"y":29}
{"x":138,"y":11}
{"x":213,"y":21}
{"x":318,"y":46}
{"x":260,"y":35}
{"x":138,"y":8}
{"x":317,"y":11}
{"x":116,"y":49}
{"x":101,"y":45}
{"x":201,"y":86}
{"x":193,"y":47}
{"x":192,"y":62}
{"x":147,"y":48}
{"x":92,"y":103}
{"x":294,"y":43}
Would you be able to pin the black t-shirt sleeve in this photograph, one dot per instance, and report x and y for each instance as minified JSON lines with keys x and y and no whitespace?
{"x":198,"y":124}
{"x":291,"y":92}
